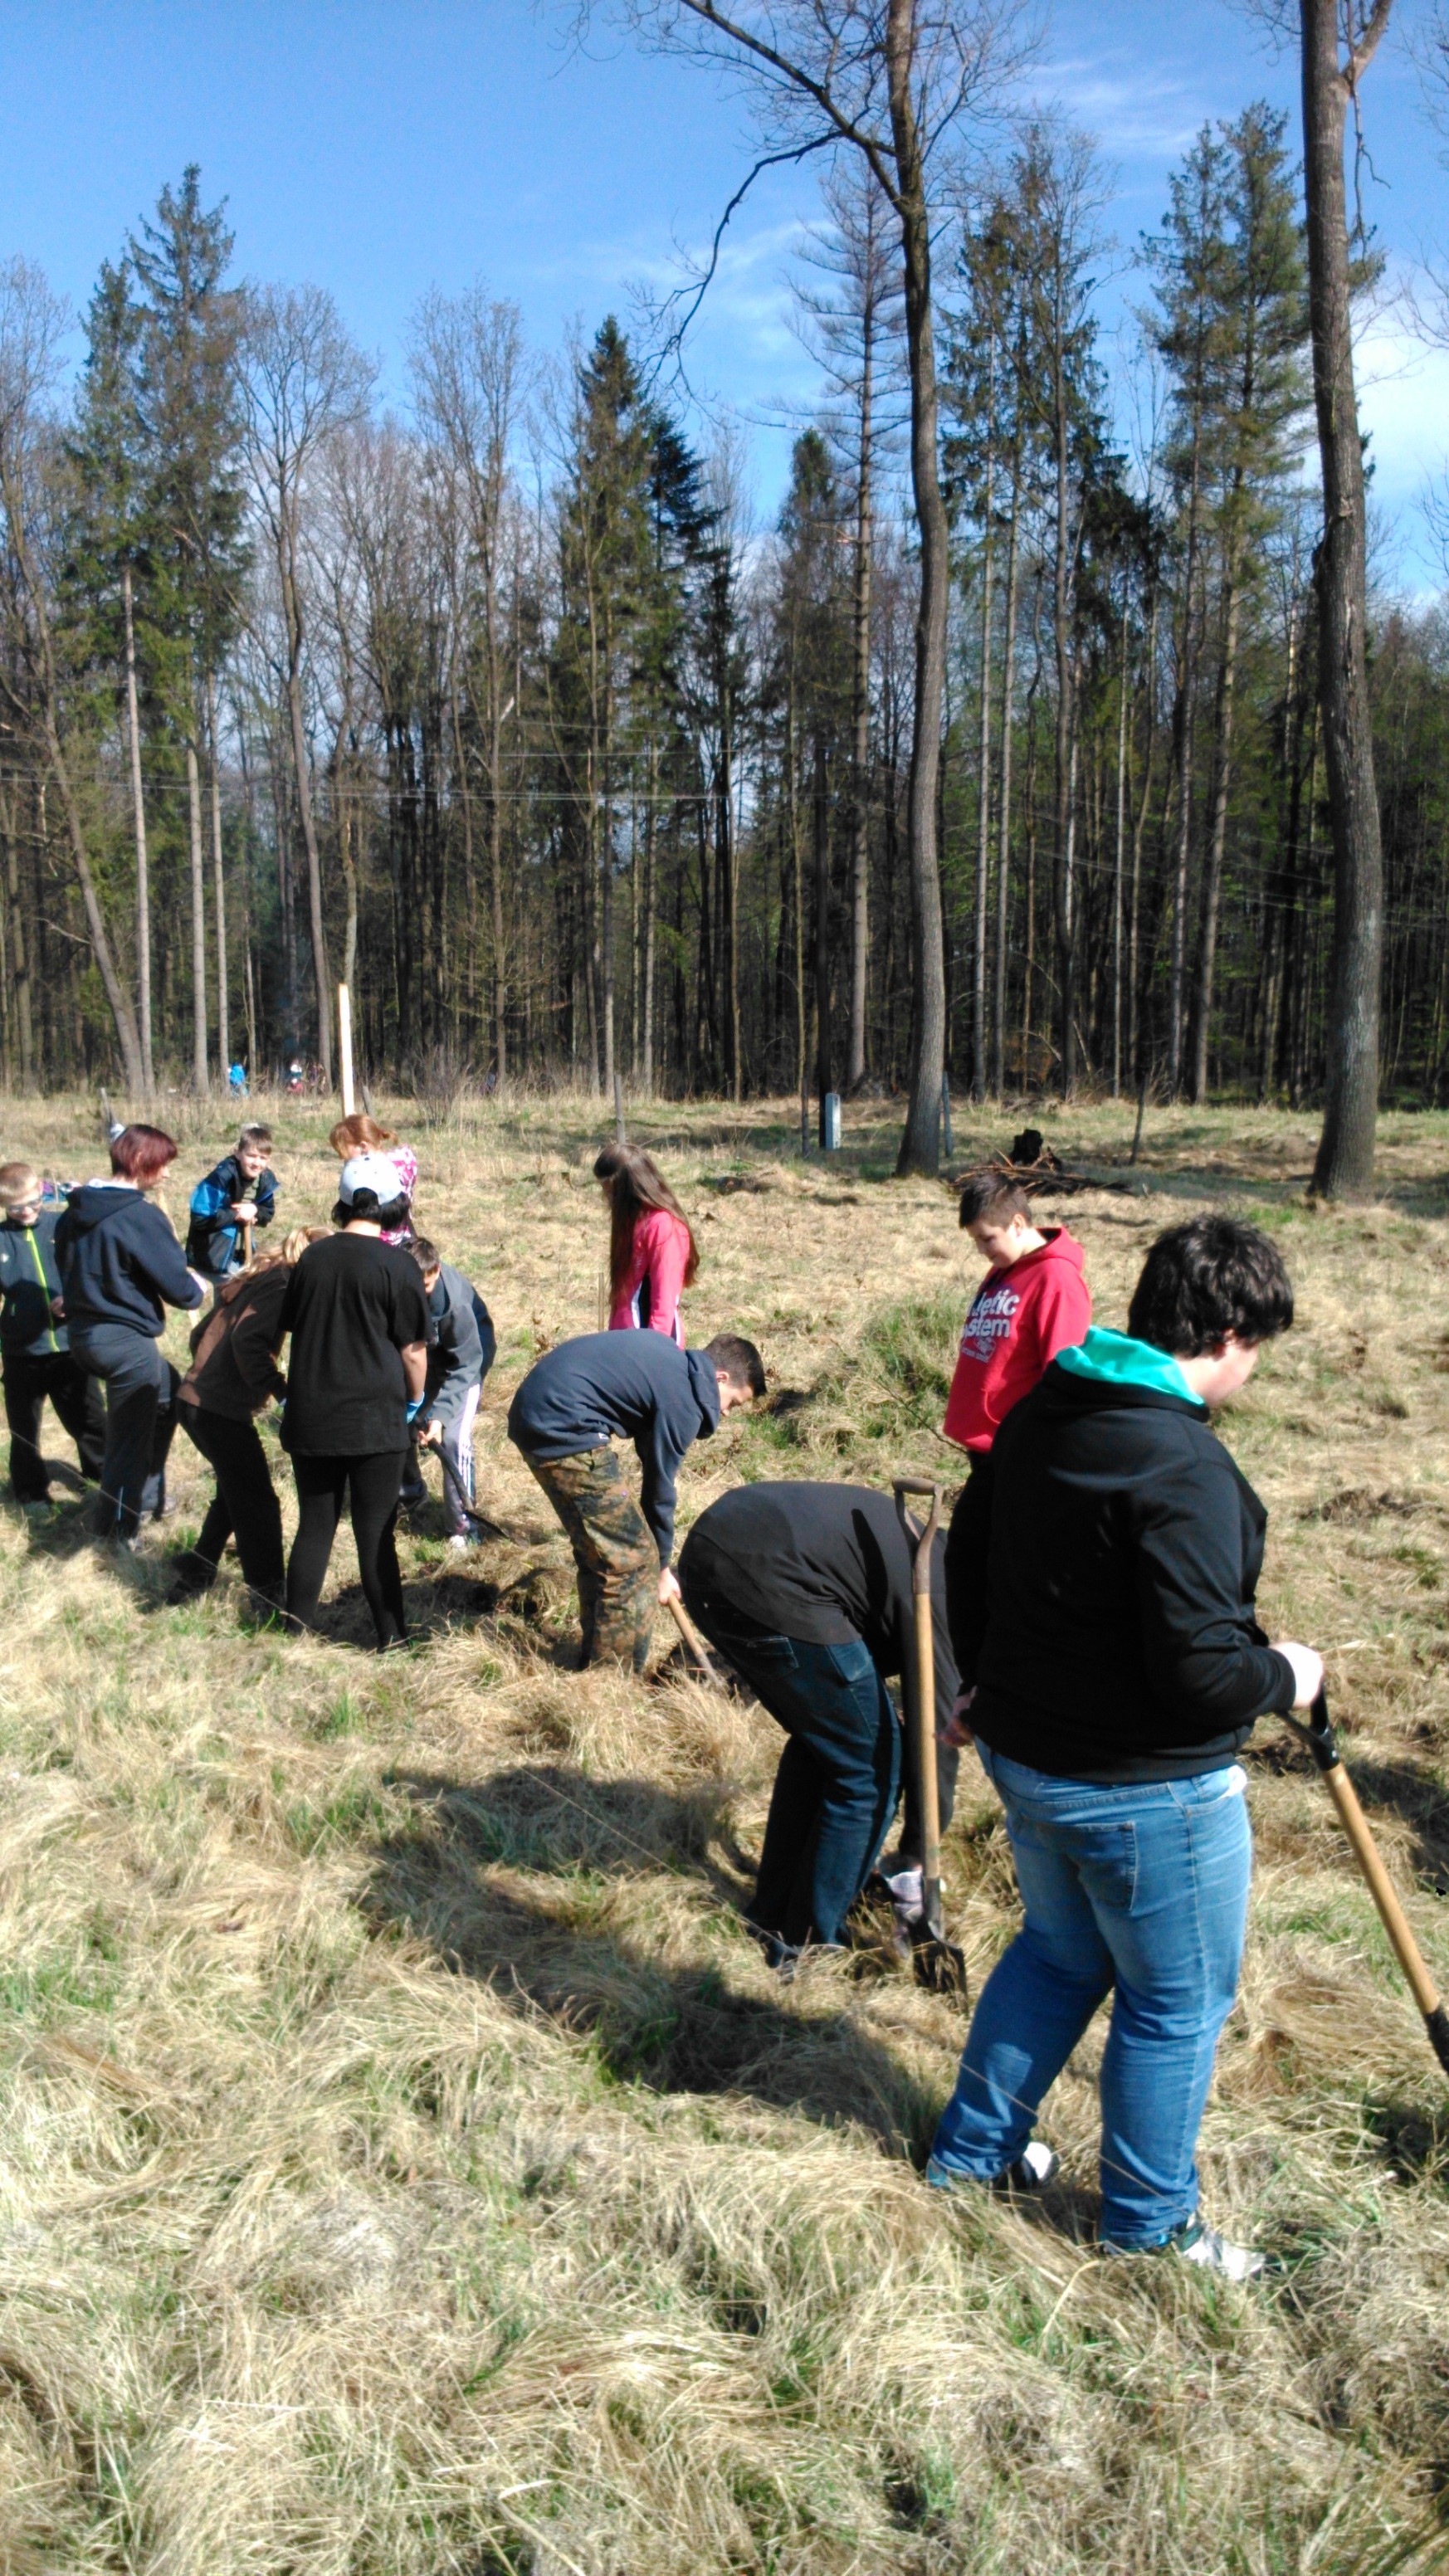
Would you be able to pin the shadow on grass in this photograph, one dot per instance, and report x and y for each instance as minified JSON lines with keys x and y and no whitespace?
{"x":572,"y":1951}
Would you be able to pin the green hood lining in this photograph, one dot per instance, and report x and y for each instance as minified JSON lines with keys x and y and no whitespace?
{"x":1114,"y":1359}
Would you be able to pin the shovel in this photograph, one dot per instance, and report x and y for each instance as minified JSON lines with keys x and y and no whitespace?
{"x":452,"y":1478}
{"x":938,"y":1961}
{"x":1319,"y":1738}
{"x":697,"y":1647}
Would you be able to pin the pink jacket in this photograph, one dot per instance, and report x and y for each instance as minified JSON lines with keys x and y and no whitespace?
{"x":649,"y":1297}
{"x":405,"y":1163}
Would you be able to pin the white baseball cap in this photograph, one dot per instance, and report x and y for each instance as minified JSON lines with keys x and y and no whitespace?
{"x":375,"y":1172}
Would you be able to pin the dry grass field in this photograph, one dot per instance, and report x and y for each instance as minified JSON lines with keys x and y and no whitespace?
{"x":407,"y":2163}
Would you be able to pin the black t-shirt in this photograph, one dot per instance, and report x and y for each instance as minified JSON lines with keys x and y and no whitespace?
{"x":821,"y":1563}
{"x":352,"y":1305}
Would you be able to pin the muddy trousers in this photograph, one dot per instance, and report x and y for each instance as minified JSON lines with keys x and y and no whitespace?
{"x":614,"y":1551}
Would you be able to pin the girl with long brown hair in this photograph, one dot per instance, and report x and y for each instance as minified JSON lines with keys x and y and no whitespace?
{"x":652,"y":1252}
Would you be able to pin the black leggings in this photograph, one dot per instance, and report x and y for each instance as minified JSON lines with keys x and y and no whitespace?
{"x":371,"y":1486}
{"x":245,"y":1502}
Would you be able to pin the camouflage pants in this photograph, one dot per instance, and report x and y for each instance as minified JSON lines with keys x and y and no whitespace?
{"x":614,"y":1551}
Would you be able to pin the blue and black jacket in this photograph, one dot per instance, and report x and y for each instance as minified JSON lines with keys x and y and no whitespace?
{"x":213,"y":1241}
{"x":29,"y":1279}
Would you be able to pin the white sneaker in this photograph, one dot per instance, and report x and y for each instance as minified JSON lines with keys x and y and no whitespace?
{"x":1204,"y":2246}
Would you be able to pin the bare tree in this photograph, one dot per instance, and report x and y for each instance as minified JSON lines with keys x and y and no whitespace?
{"x":471,"y":380}
{"x":303,"y":379}
{"x":891,"y":82}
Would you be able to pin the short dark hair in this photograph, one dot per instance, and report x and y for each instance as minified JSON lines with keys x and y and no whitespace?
{"x":141,"y":1154}
{"x":738,"y":1360}
{"x":992,"y":1194}
{"x":425,"y":1254}
{"x":365,"y":1204}
{"x":1206,"y":1279}
{"x":254,"y":1133}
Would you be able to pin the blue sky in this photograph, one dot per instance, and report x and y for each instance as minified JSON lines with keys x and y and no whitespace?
{"x":380,"y":147}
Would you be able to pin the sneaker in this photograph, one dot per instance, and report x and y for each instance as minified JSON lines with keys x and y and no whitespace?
{"x":463,"y":1539}
{"x":1032,"y":2171}
{"x":1202,"y":2245}
{"x":36,"y":1511}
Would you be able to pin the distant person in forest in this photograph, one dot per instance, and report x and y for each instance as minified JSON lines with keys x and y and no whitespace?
{"x":357,"y":1365}
{"x":461,"y":1349}
{"x":236,"y":1079}
{"x":233,"y":1375}
{"x":241,"y":1191}
{"x":573,"y":1404}
{"x":652,"y":1253}
{"x":359,"y":1134}
{"x":120,"y":1268}
{"x":34,"y":1344}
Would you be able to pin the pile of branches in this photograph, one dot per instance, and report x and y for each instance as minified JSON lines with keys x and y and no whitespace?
{"x":1033,"y":1166}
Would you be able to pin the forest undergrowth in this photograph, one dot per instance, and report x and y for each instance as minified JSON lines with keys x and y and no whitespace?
{"x":407,"y":2163}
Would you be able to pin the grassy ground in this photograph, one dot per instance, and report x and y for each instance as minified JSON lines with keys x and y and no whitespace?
{"x":406,"y":2163}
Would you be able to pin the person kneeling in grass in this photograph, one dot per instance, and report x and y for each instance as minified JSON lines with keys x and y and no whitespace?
{"x":1101,"y":1598}
{"x":806,"y":1590}
{"x":574,"y":1402}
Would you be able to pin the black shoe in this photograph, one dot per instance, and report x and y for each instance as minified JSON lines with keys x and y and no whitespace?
{"x":191,"y":1576}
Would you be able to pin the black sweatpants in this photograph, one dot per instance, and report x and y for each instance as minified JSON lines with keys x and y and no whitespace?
{"x":31,"y":1377}
{"x":141,"y":1389}
{"x":371,"y":1488}
{"x":245,"y":1500}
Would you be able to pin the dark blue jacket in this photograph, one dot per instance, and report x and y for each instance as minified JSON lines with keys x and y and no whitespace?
{"x":213,"y":1240}
{"x":28,"y":1281}
{"x":119,"y":1261}
{"x":461,"y":1345}
{"x":627,"y":1386}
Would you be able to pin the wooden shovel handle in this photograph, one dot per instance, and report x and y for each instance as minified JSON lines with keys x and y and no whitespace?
{"x":695,"y":1642}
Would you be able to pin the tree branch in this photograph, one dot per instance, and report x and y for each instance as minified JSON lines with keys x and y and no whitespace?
{"x":845,"y":127}
{"x":674,"y":337}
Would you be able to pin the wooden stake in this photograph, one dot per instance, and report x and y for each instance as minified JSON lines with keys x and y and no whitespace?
{"x":344,"y":1039}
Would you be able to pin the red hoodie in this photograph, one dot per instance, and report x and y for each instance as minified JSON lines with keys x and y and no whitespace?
{"x":1020,"y":1318}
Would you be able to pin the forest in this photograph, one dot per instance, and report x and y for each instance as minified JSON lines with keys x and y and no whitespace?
{"x":501,"y":706}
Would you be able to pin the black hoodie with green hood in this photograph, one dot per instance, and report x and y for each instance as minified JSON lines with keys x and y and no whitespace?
{"x":1101,"y":1589}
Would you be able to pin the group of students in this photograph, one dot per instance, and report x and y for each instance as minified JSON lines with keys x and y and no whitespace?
{"x":1096,"y":1634}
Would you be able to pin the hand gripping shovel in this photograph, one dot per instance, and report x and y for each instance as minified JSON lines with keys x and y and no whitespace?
{"x":1318,"y":1736}
{"x":451,"y":1477}
{"x":938,"y":1961}
{"x":696,"y":1646}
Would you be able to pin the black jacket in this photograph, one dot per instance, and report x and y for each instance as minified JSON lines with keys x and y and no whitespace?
{"x":461,"y":1345}
{"x":1101,"y":1576}
{"x":29,"y":1280}
{"x":822,"y":1564}
{"x":627,"y":1386}
{"x":119,"y":1261}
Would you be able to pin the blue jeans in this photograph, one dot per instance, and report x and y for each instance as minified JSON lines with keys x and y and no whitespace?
{"x":1141,"y":1888}
{"x":839,"y":1777}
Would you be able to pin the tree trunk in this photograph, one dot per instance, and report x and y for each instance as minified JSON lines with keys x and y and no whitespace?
{"x":1117,"y":870}
{"x":920,"y":1149}
{"x":1003,"y":854}
{"x":121,"y":1013}
{"x":823,"y":1077}
{"x":19,"y":947}
{"x":198,"y":920}
{"x":983,"y":814}
{"x":223,"y":1025}
{"x":1187,"y":708}
{"x":860,"y":728}
{"x":1202,"y":1000}
{"x":143,"y":871}
{"x":1064,"y":751}
{"x":301,"y":766}
{"x":1344,"y":1167}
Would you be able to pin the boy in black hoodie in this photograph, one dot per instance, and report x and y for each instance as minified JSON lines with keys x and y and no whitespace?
{"x":1102,"y":1612}
{"x":461,"y":1349}
{"x":34,"y":1346}
{"x":574,"y":1402}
